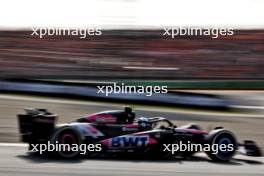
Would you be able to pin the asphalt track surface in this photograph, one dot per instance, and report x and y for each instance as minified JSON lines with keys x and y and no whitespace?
{"x":14,"y":160}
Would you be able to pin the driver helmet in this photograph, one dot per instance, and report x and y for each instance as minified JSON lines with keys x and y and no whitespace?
{"x":143,"y":122}
{"x":128,"y":109}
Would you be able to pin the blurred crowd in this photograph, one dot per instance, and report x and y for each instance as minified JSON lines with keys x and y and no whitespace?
{"x":108,"y":56}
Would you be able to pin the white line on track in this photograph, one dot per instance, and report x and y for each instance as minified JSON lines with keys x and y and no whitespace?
{"x":249,"y":107}
{"x":13,"y":145}
{"x":152,"y":68}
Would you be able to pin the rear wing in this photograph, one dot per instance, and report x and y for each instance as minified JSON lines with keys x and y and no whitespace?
{"x":36,"y":124}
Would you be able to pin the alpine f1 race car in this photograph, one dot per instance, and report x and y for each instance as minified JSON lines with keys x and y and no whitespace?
{"x":118,"y":131}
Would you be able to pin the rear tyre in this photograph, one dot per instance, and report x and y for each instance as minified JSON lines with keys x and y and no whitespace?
{"x":68,"y":141}
{"x":218,"y":138}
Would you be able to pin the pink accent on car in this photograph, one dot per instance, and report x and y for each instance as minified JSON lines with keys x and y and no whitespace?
{"x":105,"y":142}
{"x":193,"y":131}
{"x":152,"y":141}
{"x":131,"y":125}
{"x":100,"y":118}
{"x":67,"y":138}
{"x":92,"y":129}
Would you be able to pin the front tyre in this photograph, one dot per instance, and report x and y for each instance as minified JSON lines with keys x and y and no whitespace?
{"x":222,"y":144}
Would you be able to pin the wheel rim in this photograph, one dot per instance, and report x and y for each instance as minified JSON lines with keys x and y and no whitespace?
{"x":226,"y":139}
{"x":68,"y":141}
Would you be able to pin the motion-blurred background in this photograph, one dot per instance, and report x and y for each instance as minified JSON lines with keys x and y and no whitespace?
{"x":132,"y":54}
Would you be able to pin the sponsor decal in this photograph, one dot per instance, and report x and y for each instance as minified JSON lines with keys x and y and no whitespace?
{"x":129,"y":129}
{"x":129,"y":141}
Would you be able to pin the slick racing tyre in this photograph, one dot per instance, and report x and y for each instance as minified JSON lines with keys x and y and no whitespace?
{"x":68,"y":141}
{"x":218,"y":138}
